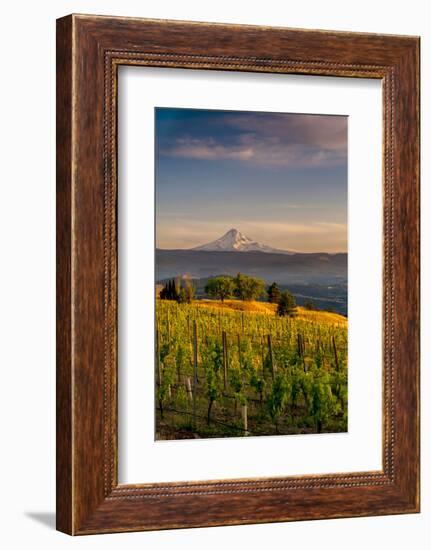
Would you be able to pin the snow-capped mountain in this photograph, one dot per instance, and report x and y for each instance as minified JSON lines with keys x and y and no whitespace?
{"x":235,"y":241}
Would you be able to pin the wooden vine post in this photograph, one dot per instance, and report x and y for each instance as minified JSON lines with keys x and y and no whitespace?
{"x":195,"y":370}
{"x":168,"y":321}
{"x":244,"y":418}
{"x":301,"y":349}
{"x":271,"y":356}
{"x":159,"y":372}
{"x":225,"y":359}
{"x":189,"y":388}
{"x":335,"y":353}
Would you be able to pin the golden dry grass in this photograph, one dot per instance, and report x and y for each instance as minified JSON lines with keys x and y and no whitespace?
{"x":238,"y":305}
{"x":269,"y":309}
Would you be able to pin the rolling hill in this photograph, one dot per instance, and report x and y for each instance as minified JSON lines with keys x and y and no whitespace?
{"x":283,"y":268}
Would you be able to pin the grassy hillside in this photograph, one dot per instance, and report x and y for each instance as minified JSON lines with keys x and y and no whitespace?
{"x":270,"y":309}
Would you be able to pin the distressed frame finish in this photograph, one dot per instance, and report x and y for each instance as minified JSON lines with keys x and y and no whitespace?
{"x":89,"y":51}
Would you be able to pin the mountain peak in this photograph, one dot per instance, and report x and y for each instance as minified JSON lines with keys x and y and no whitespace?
{"x":235,"y":241}
{"x":233,"y":234}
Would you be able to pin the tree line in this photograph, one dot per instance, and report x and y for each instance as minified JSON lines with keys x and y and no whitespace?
{"x":181,"y":291}
{"x":242,"y":287}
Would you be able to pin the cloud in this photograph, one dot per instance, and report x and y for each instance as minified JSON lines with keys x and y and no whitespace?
{"x":207,"y":149}
{"x":331,"y":225}
{"x":255,"y":150}
{"x":295,"y":141}
{"x":326,"y":132}
{"x":286,"y":228}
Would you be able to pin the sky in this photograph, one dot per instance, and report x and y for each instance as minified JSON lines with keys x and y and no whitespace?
{"x":279,"y":178}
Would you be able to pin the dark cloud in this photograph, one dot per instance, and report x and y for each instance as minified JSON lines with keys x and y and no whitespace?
{"x":282,"y":140}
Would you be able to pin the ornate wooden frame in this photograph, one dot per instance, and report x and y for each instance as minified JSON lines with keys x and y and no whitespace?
{"x":89,"y":51}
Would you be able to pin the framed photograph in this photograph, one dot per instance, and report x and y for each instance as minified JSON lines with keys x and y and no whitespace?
{"x":237,"y":274}
{"x":235,"y":354}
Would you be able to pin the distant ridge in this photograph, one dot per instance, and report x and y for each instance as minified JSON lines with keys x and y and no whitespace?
{"x":235,"y":241}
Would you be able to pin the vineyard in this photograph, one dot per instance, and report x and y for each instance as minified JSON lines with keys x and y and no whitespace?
{"x":237,"y":369}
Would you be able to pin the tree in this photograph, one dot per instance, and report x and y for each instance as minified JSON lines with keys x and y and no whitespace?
{"x":175,"y":290}
{"x":286,"y":305}
{"x":169,"y":291}
{"x":248,"y":288}
{"x":190,"y":290}
{"x":220,"y":287}
{"x":186,"y":292}
{"x":310,"y":305}
{"x":182,"y":299}
{"x":273,"y":293}
{"x":164,"y":292}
